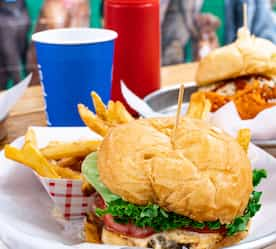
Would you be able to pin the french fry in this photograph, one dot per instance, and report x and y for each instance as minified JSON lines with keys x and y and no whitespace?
{"x":114,"y":113}
{"x":123,"y":116}
{"x":199,"y":106}
{"x":67,"y":173}
{"x":31,"y":157}
{"x":70,"y":149}
{"x":111,"y":113}
{"x":73,"y":163}
{"x":106,"y":117}
{"x":117,"y":114}
{"x":68,"y":162}
{"x":99,"y":106}
{"x":86,"y":187}
{"x":92,"y":121}
{"x":42,"y":161}
{"x":30,"y":137}
{"x":244,"y":137}
{"x":91,"y":231}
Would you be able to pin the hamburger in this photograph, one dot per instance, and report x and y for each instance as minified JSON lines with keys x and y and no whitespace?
{"x":249,"y":57}
{"x":248,"y":65}
{"x":195,"y":193}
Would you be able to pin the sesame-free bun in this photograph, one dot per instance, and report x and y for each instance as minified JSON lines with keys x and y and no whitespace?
{"x":248,"y":55}
{"x":206,"y":175}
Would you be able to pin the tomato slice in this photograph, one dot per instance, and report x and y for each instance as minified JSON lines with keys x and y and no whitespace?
{"x":140,"y":232}
{"x":126,"y":229}
{"x":112,"y":225}
{"x":99,"y":201}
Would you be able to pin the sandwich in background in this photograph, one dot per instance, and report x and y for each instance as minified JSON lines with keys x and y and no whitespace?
{"x":243,"y":72}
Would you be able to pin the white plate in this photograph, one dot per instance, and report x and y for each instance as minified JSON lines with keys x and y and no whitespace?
{"x":26,"y":220}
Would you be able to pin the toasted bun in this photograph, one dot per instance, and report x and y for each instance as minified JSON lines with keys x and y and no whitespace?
{"x":246,"y":56}
{"x":205,"y":176}
{"x":191,"y":239}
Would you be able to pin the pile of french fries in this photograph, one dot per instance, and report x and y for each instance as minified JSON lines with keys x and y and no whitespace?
{"x":56,"y":160}
{"x":64,"y":159}
{"x":105,"y":117}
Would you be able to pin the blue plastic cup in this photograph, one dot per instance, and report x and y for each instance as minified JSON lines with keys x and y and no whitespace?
{"x":72,"y":63}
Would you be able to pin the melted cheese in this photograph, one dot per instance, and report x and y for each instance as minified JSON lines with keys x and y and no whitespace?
{"x":191,"y":240}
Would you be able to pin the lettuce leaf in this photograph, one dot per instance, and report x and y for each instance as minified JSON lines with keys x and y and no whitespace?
{"x":159,"y":219}
{"x":239,"y":224}
{"x":258,"y":175}
{"x":152,"y":216}
{"x":91,"y":173}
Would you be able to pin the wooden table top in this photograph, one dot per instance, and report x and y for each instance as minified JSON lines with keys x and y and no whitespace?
{"x":29,"y":111}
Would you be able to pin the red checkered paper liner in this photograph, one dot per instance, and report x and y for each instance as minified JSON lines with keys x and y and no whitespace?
{"x":67,"y":197}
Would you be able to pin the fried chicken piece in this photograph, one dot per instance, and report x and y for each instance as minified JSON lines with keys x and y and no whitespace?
{"x":250,"y":100}
{"x":217,"y":100}
{"x":253,"y":99}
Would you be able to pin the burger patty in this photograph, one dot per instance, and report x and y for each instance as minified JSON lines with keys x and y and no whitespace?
{"x":175,"y":239}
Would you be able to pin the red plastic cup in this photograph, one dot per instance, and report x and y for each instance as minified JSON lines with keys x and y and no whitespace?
{"x":137,"y":49}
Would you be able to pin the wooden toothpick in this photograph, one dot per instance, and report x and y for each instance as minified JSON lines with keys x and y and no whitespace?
{"x":245,"y":18}
{"x":179,"y":107}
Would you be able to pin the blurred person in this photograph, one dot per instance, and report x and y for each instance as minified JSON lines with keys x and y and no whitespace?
{"x":181,"y":21}
{"x":64,"y":14}
{"x":206,"y":38}
{"x":59,"y":14}
{"x":14,"y":25}
{"x":261,"y":19}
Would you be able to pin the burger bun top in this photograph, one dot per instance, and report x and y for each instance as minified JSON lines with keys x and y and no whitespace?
{"x":248,"y":55}
{"x":205,"y":176}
